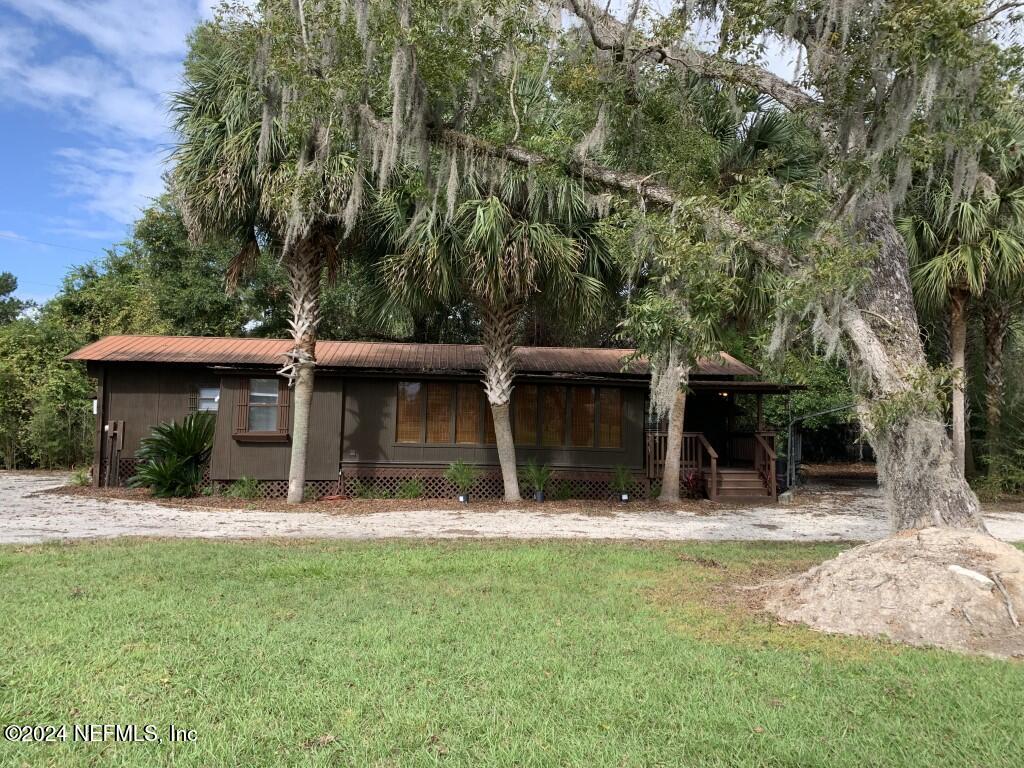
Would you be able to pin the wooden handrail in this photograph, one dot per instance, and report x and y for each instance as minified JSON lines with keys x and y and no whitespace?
{"x":707,"y":446}
{"x":764,"y":463}
{"x":764,"y":444}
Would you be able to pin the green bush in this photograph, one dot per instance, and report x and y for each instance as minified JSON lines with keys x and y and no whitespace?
{"x":564,"y":491}
{"x":622,"y":479}
{"x":410,"y":489}
{"x":1005,"y":476}
{"x":536,"y":476}
{"x":80,"y":477}
{"x":172,"y":458}
{"x":461,"y":475}
{"x":243,"y":488}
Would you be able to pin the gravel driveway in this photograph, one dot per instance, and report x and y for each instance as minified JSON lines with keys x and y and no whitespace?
{"x":826,"y":514}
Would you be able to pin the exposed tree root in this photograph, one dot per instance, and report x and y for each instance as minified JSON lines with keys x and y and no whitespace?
{"x":944,"y":587}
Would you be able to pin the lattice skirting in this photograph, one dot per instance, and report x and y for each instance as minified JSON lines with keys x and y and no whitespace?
{"x":426,"y":482}
{"x":430,"y":483}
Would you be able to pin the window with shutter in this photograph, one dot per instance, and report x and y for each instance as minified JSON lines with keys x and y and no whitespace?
{"x":468,"y":411}
{"x":583,"y":416}
{"x":207,"y":399}
{"x":524,"y":409}
{"x":409,"y":412}
{"x":552,"y":416}
{"x":440,"y":412}
{"x":609,"y":433}
{"x":263,"y":405}
{"x":263,"y":409}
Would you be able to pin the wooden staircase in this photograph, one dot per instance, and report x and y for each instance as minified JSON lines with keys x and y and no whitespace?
{"x":741,"y":483}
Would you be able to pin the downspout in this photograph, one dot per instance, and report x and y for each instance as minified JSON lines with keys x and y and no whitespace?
{"x":790,"y":464}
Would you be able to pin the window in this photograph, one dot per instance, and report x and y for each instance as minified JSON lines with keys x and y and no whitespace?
{"x":553,"y":416}
{"x":524,"y":414}
{"x":410,"y":412}
{"x":442,"y":413}
{"x":583,"y":416}
{"x":609,"y":425}
{"x":469,"y":410}
{"x":263,"y":405}
{"x":207,"y":399}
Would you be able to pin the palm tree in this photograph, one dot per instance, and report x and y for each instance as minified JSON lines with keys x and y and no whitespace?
{"x":249,"y":167}
{"x":962,"y":248}
{"x":503,"y":249}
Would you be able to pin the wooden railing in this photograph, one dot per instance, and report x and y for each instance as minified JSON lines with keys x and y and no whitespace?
{"x":764,"y":460}
{"x":696,"y":455}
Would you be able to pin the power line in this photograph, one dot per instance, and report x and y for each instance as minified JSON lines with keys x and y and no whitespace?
{"x":20,"y":239}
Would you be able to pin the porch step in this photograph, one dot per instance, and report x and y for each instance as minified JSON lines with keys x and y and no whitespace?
{"x":740,"y":483}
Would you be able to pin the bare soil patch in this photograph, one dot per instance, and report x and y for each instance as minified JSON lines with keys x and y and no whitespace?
{"x":948,"y":588}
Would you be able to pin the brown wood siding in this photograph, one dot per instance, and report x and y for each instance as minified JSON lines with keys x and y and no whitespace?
{"x":144,"y":397}
{"x":370,"y":435}
{"x":233,"y":458}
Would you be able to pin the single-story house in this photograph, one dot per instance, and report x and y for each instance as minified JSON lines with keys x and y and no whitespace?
{"x":386,"y":413}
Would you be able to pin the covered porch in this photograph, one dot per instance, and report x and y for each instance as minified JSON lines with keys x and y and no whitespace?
{"x":729,"y":450}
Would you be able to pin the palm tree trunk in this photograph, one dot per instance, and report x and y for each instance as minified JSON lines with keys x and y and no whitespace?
{"x":498,"y":333}
{"x":674,"y":441}
{"x":304,"y":266}
{"x":997,"y":325}
{"x":957,"y":356}
{"x":920,"y":483}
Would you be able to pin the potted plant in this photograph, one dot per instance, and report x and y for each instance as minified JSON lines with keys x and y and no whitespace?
{"x":536,"y":476}
{"x":622,"y":481}
{"x":462,"y":476}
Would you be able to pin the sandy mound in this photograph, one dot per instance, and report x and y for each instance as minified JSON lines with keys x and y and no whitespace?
{"x":944,"y":587}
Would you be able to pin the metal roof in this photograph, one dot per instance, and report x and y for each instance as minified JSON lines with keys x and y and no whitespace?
{"x":380,"y":356}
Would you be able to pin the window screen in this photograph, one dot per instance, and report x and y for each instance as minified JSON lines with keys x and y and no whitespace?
{"x":263,"y":396}
{"x":609,"y":432}
{"x":583,"y":414}
{"x":524,"y":408}
{"x":208,"y":398}
{"x":553,"y":416}
{"x":440,"y":406}
{"x":468,"y":414}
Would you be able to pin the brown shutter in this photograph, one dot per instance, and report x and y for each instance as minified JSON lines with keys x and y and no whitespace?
{"x":609,"y":433}
{"x":193,"y":401}
{"x":409,"y":412}
{"x":439,"y":412}
{"x":524,"y":407}
{"x":552,"y":416}
{"x":583,"y":416}
{"x":284,"y":407}
{"x":468,"y":412}
{"x":242,"y":419}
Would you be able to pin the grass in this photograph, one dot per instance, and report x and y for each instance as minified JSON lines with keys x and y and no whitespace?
{"x":469,"y":654}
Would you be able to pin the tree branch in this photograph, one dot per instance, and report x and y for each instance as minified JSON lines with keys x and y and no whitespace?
{"x":606,"y":32}
{"x":623,"y":181}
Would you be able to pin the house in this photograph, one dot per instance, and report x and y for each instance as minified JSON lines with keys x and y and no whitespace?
{"x":386,"y":413}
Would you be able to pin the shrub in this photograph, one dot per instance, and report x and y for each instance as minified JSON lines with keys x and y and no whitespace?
{"x":622,"y":479}
{"x":80,"y":477}
{"x":461,"y":475}
{"x":172,"y":458}
{"x":410,"y":489}
{"x":535,"y":475}
{"x":693,"y":485}
{"x":1005,"y":476}
{"x":243,"y":488}
{"x":365,"y":490}
{"x":565,"y":491}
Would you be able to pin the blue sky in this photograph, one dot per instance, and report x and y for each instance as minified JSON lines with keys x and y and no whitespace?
{"x":83,"y":125}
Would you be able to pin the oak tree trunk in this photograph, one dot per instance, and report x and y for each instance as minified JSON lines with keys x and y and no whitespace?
{"x":304,"y":266}
{"x":997,"y":324}
{"x":916,"y":470}
{"x":498,"y":334}
{"x":674,"y":441}
{"x":957,"y":355}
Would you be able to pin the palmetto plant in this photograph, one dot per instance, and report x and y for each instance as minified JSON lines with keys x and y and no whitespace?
{"x":522,"y":241}
{"x":963,"y":247}
{"x":173,"y":456}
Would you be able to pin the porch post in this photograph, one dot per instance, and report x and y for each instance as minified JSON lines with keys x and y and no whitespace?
{"x":760,"y":412}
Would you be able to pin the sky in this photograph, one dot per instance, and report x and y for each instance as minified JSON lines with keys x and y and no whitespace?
{"x":84,"y":125}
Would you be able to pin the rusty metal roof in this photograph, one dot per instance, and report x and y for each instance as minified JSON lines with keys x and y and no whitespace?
{"x":380,"y":356}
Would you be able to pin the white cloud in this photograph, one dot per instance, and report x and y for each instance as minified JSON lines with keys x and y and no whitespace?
{"x":114,"y":182}
{"x":103,"y":69}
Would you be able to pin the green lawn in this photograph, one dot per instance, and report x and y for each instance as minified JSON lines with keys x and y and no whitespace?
{"x":468,"y":654}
